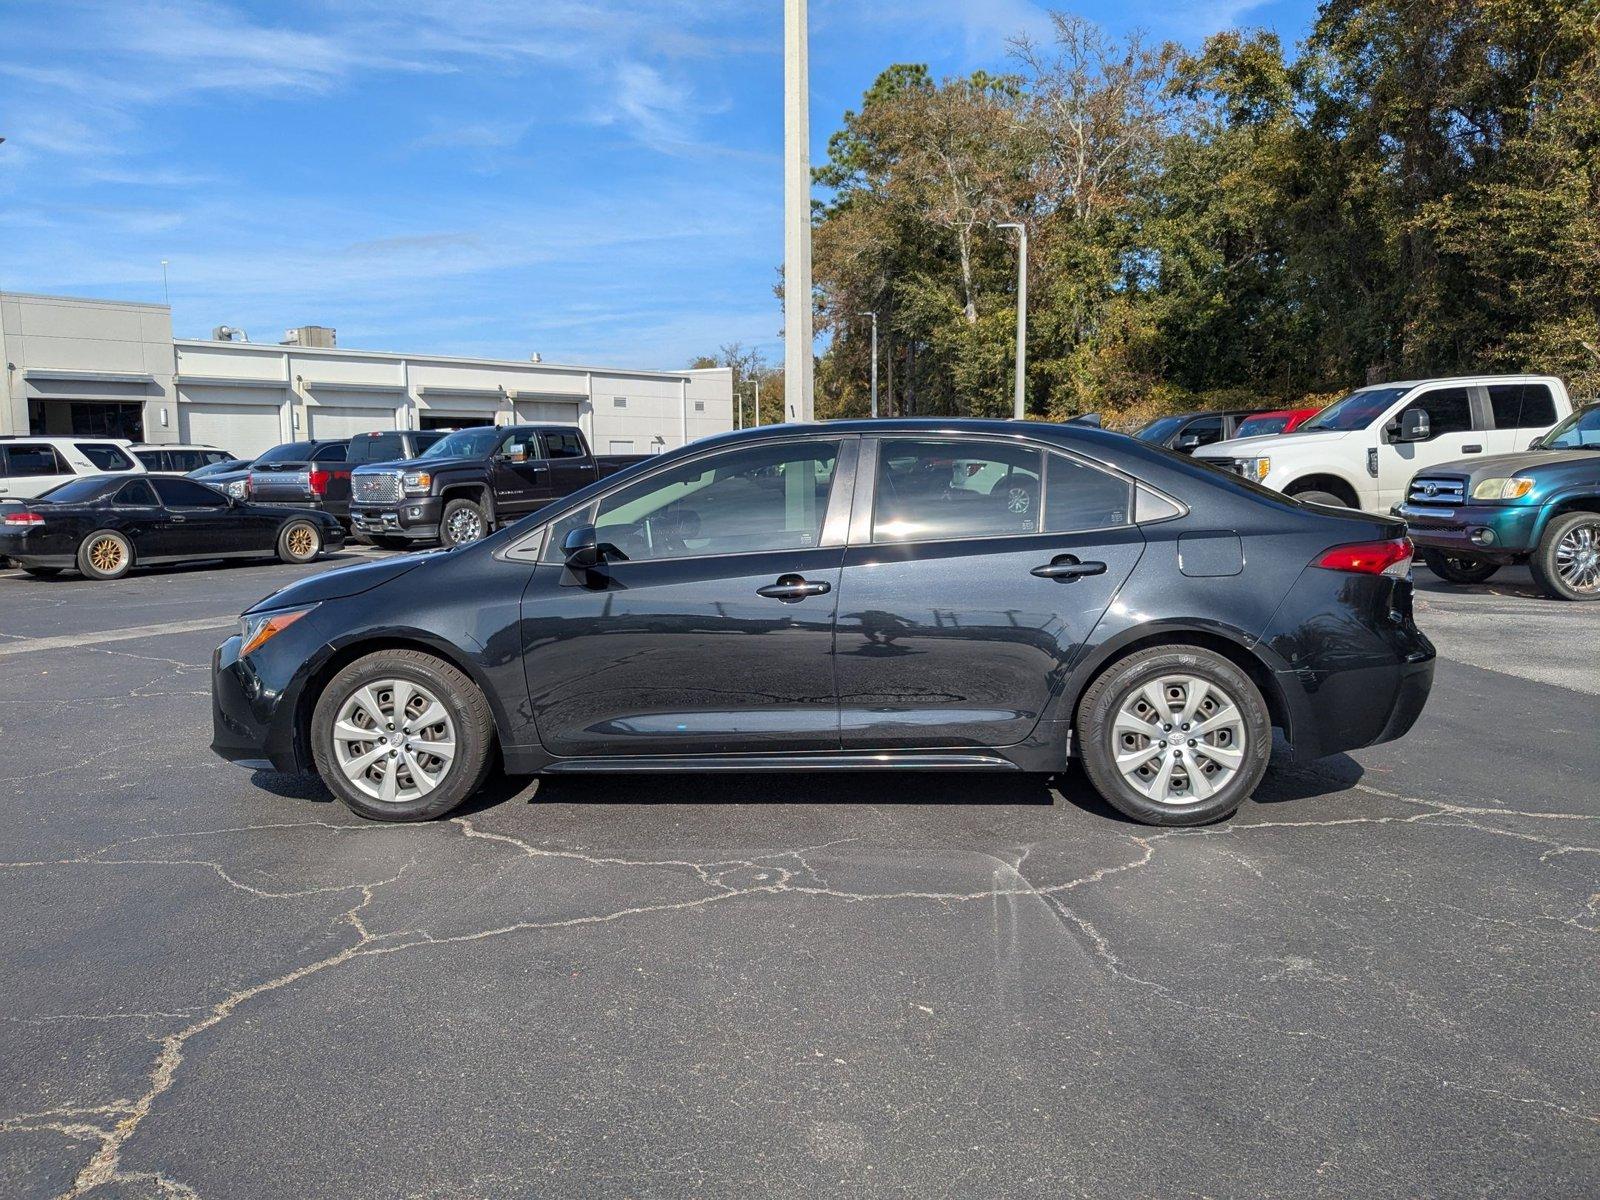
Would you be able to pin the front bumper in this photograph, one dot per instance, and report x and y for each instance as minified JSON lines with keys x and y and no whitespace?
{"x":252,"y":719}
{"x":1494,"y":531}
{"x":417,"y":519}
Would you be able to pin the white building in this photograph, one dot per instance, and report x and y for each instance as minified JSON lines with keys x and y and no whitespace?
{"x":113,"y":368}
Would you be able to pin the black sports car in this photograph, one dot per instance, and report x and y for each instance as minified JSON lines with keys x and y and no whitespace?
{"x":107,"y":525}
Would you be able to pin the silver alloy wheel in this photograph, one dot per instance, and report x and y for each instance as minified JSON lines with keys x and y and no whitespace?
{"x":464,"y":526}
{"x":1018,"y":500}
{"x":1178,"y":739}
{"x":394,"y":740}
{"x":1578,"y":558}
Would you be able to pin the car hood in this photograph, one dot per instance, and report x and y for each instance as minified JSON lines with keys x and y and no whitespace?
{"x":1502,"y":465}
{"x":1281,"y":443}
{"x":336,"y":585}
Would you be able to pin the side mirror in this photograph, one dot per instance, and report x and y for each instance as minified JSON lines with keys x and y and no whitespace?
{"x":1414,"y":426}
{"x":582,"y":548}
{"x":1537,"y":443}
{"x":1189,"y":441}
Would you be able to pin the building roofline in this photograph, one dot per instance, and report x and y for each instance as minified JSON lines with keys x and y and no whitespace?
{"x":10,"y":295}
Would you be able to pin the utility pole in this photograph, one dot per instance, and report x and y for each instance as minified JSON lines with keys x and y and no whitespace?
{"x":874,"y":317}
{"x":165,"y":290}
{"x":1019,"y":402}
{"x":797,"y":332}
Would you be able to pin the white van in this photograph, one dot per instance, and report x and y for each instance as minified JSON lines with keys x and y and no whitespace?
{"x":31,"y":466}
{"x":1362,"y":451}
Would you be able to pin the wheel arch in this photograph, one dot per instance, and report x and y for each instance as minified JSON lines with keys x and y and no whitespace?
{"x":1587,"y":500}
{"x":1325,"y":481}
{"x":469,"y":489}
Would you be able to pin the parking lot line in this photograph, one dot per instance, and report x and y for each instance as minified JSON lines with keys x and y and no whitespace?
{"x":76,"y":640}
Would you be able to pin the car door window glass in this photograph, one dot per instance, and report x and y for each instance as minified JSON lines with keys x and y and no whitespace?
{"x":34,"y":460}
{"x":563,"y":445}
{"x":329,"y":454}
{"x":153,"y":460}
{"x":553,"y":546}
{"x":1201,"y":432}
{"x":185,"y":493}
{"x":1521,"y":405}
{"x":105,"y":456}
{"x":744,"y":501}
{"x":930,"y":490}
{"x":137,"y":493}
{"x":1078,"y":496}
{"x":1449,"y":410}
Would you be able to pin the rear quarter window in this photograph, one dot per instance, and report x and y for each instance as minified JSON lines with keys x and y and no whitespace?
{"x":1522,"y":405}
{"x":21,"y":459}
{"x":105,"y":456}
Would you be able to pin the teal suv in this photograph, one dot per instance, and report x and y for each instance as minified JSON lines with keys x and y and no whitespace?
{"x":1471,"y":517}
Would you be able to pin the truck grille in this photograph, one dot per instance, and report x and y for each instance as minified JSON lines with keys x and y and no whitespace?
{"x":376,"y":487}
{"x":1437,"y":489}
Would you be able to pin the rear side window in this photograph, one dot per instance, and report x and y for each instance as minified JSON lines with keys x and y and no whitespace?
{"x":935,"y":491}
{"x":23,"y":459}
{"x":1449,"y":410}
{"x":1522,"y":405}
{"x":1080,"y":497}
{"x":185,"y":460}
{"x":153,"y":460}
{"x":185,"y":493}
{"x":105,"y":456}
{"x":137,"y":492}
{"x":563,"y":445}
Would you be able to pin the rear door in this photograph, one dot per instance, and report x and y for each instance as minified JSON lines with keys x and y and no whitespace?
{"x":1457,"y":428}
{"x":959,"y":615}
{"x":1521,"y":412}
{"x":570,"y":465}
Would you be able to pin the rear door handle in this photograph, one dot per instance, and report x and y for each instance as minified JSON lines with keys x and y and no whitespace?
{"x":791,"y":588}
{"x":1065,"y":566}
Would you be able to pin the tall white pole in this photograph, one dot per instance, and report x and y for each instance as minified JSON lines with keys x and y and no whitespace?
{"x":758,"y":400}
{"x":874,"y":317}
{"x":797,"y":333}
{"x":1019,"y":401}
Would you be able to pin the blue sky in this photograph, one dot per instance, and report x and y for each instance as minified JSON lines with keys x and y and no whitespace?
{"x":598,"y":181}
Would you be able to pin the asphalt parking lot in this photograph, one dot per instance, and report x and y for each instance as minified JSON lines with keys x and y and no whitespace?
{"x":1378,"y":979}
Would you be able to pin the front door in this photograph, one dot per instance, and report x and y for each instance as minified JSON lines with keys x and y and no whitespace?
{"x":1454,"y":431}
{"x":520,"y":475}
{"x":199,"y":522}
{"x":710,"y":630}
{"x":961,"y":611}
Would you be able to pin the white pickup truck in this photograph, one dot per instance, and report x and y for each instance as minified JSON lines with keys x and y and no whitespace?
{"x":1362,"y":451}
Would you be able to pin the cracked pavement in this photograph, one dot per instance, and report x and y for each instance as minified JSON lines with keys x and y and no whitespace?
{"x":1378,"y":979}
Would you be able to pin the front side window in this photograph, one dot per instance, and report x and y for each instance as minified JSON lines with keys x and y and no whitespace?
{"x":1201,"y":432}
{"x":740,"y":502}
{"x":105,"y":456}
{"x":1449,"y":410}
{"x":1260,"y":426}
{"x":929,"y":490}
{"x":185,"y":493}
{"x":35,"y":460}
{"x":1522,"y":405}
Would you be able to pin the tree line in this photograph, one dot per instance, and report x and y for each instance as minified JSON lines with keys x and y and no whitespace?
{"x":1414,"y":191}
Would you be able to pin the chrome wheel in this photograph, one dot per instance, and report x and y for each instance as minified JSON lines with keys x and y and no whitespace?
{"x":1019,"y":499}
{"x":464,"y":525}
{"x":1178,"y":739}
{"x":1578,"y":558}
{"x":394,"y":740}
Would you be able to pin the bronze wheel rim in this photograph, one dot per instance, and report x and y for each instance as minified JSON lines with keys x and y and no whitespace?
{"x":302,"y":541}
{"x":106,"y":555}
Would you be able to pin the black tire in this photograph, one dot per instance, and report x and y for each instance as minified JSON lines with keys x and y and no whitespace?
{"x":1099,"y":741}
{"x":299,"y":542}
{"x":42,"y":572}
{"x":1459,"y":568}
{"x":1576,"y":533}
{"x":105,"y":554}
{"x":461,"y":517}
{"x":470,"y":722}
{"x":1312,"y":496}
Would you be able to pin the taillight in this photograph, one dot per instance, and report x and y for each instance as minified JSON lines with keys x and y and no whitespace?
{"x":24,"y":518}
{"x":319,"y":483}
{"x":1370,"y":558}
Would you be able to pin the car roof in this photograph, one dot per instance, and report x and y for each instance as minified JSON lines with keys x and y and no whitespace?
{"x":68,"y":439}
{"x":173,"y":446}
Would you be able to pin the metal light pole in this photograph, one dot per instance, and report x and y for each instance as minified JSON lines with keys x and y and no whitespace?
{"x":165,"y":290}
{"x":797,"y":331}
{"x":758,"y":399}
{"x":874,"y":317}
{"x":1019,"y":402}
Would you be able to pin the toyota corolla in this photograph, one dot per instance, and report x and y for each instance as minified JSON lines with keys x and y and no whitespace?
{"x":851,"y":596}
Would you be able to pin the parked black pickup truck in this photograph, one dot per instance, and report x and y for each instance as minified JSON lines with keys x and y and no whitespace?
{"x":472,"y":482}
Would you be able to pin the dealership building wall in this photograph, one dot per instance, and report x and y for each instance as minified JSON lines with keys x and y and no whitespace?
{"x":95,"y":366}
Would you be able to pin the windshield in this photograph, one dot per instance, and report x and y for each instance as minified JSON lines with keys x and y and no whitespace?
{"x":288,"y":452}
{"x":1355,"y":411}
{"x":1580,"y":431}
{"x":1261,"y":426}
{"x":1158,"y":430}
{"x":465,"y":443}
{"x":79,"y":491}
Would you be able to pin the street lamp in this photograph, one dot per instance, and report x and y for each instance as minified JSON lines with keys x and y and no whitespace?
{"x":797,"y":327}
{"x":874,"y":317}
{"x":1019,"y":404}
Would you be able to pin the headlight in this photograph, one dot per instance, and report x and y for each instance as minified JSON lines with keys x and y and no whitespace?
{"x":1254,"y":468}
{"x":236,"y":489}
{"x":417,"y":481}
{"x":257,"y":629}
{"x":1502,"y":489}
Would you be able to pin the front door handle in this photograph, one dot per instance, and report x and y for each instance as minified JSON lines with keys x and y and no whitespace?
{"x":791,"y":588}
{"x":1065,"y":566}
{"x":178,"y":520}
{"x":1473,"y":449}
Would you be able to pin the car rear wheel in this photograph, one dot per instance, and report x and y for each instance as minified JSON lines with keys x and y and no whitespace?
{"x":105,"y":554}
{"x":1174,"y":735}
{"x":401,"y":736}
{"x":1566,"y":565}
{"x":1311,"y":496}
{"x":1459,"y":568}
{"x":462,"y":522}
{"x":299,"y":542}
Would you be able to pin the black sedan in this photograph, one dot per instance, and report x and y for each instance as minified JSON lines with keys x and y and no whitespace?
{"x":851,"y":596}
{"x":107,"y":525}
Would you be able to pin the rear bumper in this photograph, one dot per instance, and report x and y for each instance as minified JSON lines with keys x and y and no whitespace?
{"x":415,"y":519}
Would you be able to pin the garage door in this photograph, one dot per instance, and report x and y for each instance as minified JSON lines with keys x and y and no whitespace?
{"x":242,"y":429}
{"x":534,"y":411}
{"x":342,"y":421}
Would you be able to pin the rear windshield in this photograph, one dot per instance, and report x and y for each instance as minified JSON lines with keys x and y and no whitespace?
{"x":1355,"y":411}
{"x":288,"y":452}
{"x":80,"y":490}
{"x":376,"y":449}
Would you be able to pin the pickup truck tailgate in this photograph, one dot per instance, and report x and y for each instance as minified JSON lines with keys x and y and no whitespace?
{"x":280,"y":486}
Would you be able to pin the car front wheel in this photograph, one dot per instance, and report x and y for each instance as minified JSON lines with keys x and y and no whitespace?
{"x":1174,"y":735}
{"x":401,"y":736}
{"x":1459,"y":568}
{"x":462,"y":522}
{"x":1566,"y":565}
